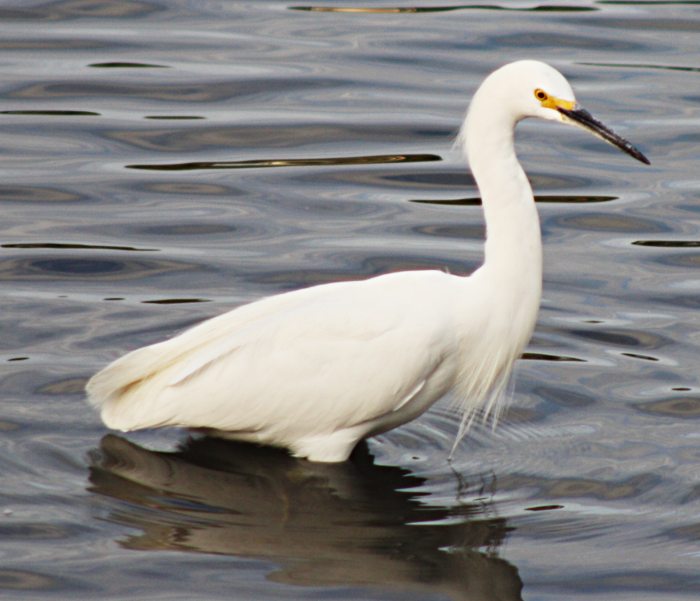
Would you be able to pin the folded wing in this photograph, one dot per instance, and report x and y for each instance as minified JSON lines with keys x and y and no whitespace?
{"x":305,"y":362}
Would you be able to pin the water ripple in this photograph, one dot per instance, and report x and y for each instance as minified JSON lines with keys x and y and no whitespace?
{"x":74,"y":246}
{"x":310,"y":162}
{"x":440,"y":9}
{"x":70,"y":9}
{"x":687,"y":407}
{"x":191,"y":93}
{"x":33,"y":194}
{"x":539,"y":198}
{"x":75,"y":268}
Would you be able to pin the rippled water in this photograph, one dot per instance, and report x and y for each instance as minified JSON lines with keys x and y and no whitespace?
{"x":165,"y":161}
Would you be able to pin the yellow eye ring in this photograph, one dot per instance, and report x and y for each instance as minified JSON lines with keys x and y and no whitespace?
{"x":541,"y":95}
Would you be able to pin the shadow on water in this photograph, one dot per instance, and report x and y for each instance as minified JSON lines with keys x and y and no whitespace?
{"x":351,"y":524}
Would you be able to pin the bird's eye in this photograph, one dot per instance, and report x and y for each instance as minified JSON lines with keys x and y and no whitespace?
{"x":541,"y":95}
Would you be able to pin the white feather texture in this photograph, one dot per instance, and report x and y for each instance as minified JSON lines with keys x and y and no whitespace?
{"x":291,"y":369}
{"x":317,"y":370}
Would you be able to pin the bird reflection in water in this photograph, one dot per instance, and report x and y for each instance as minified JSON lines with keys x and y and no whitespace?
{"x":347,"y":524}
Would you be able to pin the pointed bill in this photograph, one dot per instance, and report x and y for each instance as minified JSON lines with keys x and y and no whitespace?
{"x":582,"y":118}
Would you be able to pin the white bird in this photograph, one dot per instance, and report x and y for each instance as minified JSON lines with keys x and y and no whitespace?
{"x":316,"y":370}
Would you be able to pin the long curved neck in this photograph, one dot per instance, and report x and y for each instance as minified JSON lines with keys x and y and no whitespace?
{"x":513,"y":250}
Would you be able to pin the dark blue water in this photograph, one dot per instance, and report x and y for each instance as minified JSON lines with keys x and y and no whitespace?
{"x":163,"y":162}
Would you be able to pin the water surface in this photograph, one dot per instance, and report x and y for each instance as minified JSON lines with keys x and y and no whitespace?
{"x":166,"y":161}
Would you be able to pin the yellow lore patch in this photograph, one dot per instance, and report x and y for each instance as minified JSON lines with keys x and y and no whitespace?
{"x":552,"y":102}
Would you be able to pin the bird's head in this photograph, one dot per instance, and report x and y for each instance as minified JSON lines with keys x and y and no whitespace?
{"x":535,"y":89}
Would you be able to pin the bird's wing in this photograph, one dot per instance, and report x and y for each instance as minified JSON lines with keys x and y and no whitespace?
{"x":345,"y":353}
{"x":143,"y":363}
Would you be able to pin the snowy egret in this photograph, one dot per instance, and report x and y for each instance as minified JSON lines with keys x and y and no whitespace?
{"x":318,"y":369}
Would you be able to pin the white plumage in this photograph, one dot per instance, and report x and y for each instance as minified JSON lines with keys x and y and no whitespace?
{"x":316,"y":370}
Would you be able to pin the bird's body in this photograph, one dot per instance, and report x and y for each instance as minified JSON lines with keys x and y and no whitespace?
{"x":313,"y":370}
{"x":316,"y":370}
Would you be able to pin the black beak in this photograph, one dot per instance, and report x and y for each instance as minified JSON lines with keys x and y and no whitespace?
{"x":584,"y":119}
